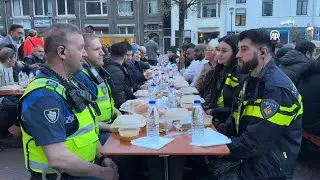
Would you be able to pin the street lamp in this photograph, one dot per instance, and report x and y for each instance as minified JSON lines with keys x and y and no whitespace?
{"x":231,"y":12}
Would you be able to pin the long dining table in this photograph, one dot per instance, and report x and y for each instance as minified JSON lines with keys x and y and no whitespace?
{"x":180,"y":146}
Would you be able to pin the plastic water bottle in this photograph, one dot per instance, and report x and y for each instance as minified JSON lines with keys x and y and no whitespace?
{"x":150,"y":81}
{"x":20,"y":76}
{"x":197,"y":122}
{"x":152,"y":91}
{"x":170,"y":72}
{"x":152,"y":120}
{"x":31,"y":76}
{"x":170,"y":81}
{"x":157,"y":79}
{"x":172,"y":97}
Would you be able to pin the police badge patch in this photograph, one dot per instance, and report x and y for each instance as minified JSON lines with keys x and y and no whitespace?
{"x":269,"y":108}
{"x":51,"y":115}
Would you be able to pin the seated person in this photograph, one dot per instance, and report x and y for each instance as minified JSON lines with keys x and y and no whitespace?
{"x":203,"y":84}
{"x":196,"y":56}
{"x":172,"y":55}
{"x":226,"y":79}
{"x":141,"y":65}
{"x":19,"y":65}
{"x":121,"y":81}
{"x":8,"y":104}
{"x":143,"y":54}
{"x":135,"y":74}
{"x":265,"y":125}
{"x":186,"y":56}
{"x":7,"y":62}
{"x":99,"y":87}
{"x":34,"y":60}
{"x":308,"y":88}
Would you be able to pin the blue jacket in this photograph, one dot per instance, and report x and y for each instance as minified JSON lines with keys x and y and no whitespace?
{"x":267,"y":132}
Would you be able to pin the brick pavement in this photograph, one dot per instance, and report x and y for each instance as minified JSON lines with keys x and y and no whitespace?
{"x":12,"y":167}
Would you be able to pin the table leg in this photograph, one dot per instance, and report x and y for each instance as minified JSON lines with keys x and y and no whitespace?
{"x":166,"y":166}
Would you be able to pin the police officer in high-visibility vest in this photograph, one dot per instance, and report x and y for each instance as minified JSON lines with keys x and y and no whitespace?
{"x":60,"y":136}
{"x":93,"y":63}
{"x":226,"y":79}
{"x":266,"y":125}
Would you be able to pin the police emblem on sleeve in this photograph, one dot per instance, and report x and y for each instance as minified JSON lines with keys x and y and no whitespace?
{"x":51,"y":115}
{"x":269,"y":108}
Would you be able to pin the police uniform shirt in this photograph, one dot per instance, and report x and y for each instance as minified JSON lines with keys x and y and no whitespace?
{"x":46,"y":117}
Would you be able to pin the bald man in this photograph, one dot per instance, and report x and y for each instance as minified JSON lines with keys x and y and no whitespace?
{"x":34,"y":60}
{"x":143,"y":51}
{"x":191,"y":74}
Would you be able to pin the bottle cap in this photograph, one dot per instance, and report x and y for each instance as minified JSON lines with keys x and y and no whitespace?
{"x":171,"y":86}
{"x":152,"y":102}
{"x":196,"y":101}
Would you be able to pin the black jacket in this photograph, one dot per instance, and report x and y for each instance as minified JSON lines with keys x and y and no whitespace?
{"x":137,"y":77}
{"x":294,"y":64}
{"x":269,"y":127}
{"x":225,"y":90}
{"x":141,"y":65}
{"x":30,"y":60}
{"x":121,"y":82}
{"x":309,"y":86}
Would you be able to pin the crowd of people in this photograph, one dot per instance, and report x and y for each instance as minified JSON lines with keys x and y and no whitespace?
{"x":250,"y":86}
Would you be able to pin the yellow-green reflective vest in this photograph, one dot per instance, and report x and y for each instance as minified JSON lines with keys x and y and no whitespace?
{"x":230,"y":81}
{"x":82,"y":143}
{"x":105,"y":101}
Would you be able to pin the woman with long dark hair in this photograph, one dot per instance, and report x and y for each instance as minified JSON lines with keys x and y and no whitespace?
{"x":225,"y":79}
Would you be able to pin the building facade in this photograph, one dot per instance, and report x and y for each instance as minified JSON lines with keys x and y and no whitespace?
{"x":202,"y":22}
{"x":131,"y":20}
{"x":294,"y":19}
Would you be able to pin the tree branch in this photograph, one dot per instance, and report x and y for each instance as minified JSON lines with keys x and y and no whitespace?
{"x":176,"y":1}
{"x":192,"y":3}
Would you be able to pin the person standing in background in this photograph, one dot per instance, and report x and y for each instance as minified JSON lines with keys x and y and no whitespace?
{"x":152,"y":51}
{"x":16,"y":33}
{"x":31,"y":42}
{"x":90,"y":29}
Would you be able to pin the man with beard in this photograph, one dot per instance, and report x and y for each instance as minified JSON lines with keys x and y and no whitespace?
{"x":34,"y":60}
{"x":58,"y":126}
{"x":266,"y":124}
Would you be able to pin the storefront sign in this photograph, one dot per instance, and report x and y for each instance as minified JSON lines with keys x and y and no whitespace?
{"x":288,"y":22}
{"x":42,"y":22}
